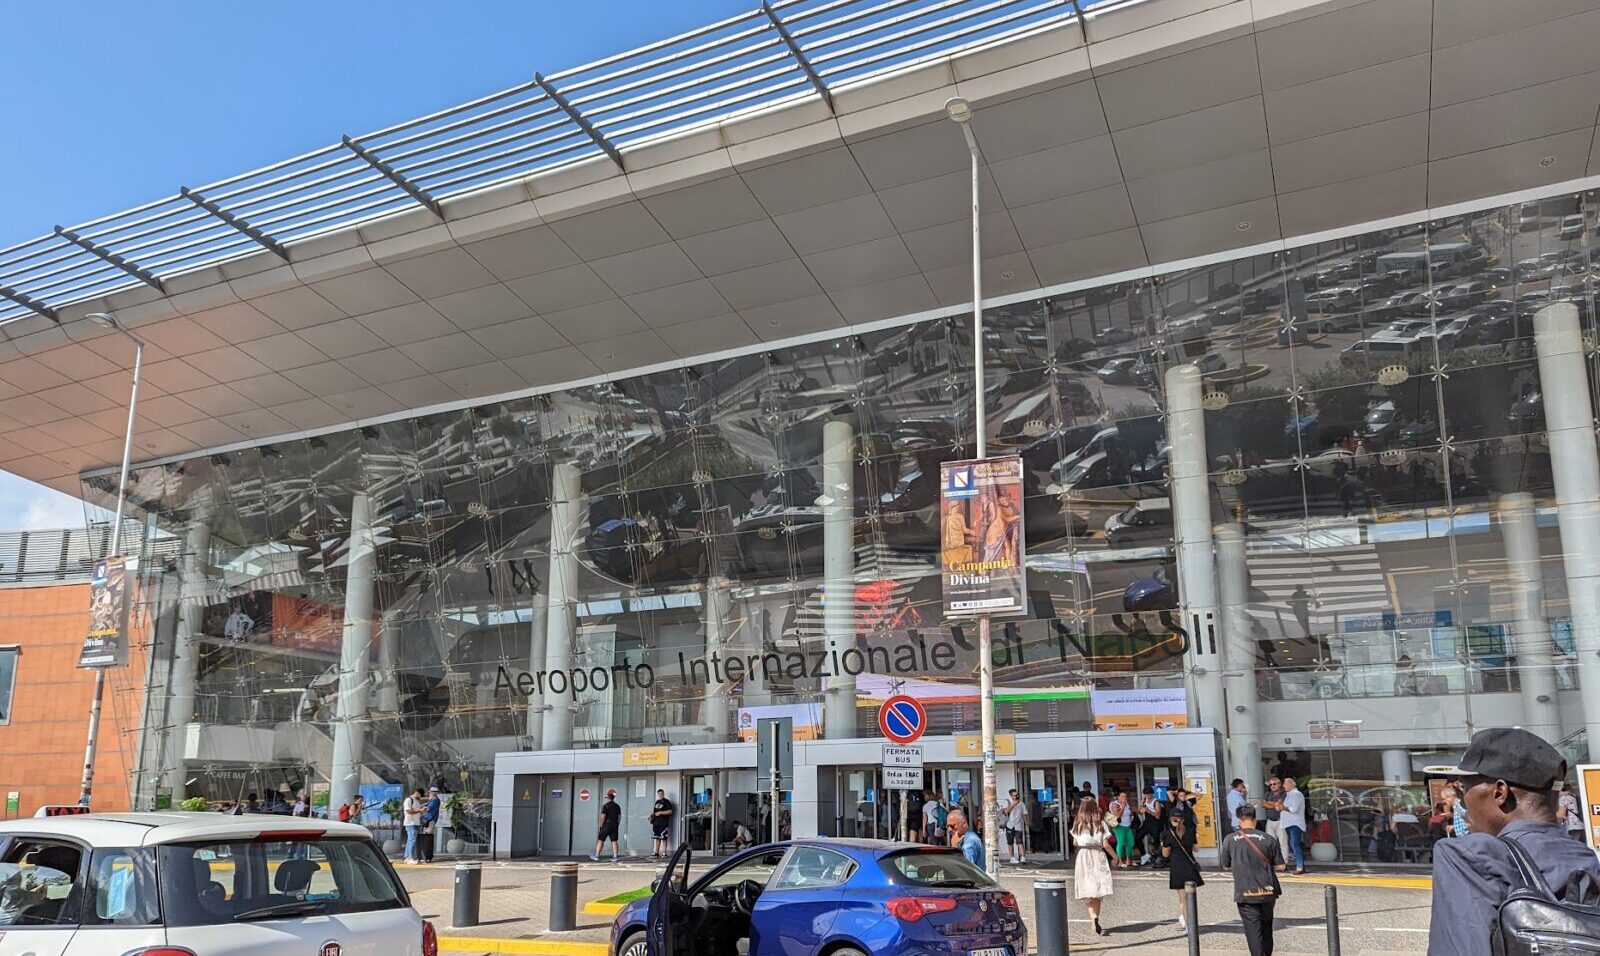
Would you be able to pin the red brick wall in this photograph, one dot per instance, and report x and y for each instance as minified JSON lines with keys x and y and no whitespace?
{"x":41,"y":748}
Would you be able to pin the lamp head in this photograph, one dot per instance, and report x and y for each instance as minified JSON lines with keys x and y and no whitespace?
{"x":104,"y":319}
{"x":958,"y":109}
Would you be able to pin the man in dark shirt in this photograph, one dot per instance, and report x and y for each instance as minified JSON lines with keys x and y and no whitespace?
{"x":1251,"y":856}
{"x":1509,"y":777}
{"x":610,"y":826}
{"x":661,"y":824}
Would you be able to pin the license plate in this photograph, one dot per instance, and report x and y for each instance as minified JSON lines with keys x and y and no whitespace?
{"x":993,"y":951}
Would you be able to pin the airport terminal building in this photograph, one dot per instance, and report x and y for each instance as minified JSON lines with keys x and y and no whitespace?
{"x":545,"y":445}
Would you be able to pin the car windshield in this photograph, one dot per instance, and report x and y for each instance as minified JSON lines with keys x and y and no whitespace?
{"x":940,"y":868}
{"x":215,"y":883}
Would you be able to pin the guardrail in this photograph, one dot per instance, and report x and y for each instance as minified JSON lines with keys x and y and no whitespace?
{"x":785,"y":51}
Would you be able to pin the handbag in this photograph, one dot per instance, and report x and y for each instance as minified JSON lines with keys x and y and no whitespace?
{"x":1262,"y":892}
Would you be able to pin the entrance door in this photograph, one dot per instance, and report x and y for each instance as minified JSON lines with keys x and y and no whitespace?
{"x":699,"y":810}
{"x":525,"y":833}
{"x":641,"y":799}
{"x":555,"y":807}
{"x":1042,"y":791}
{"x":858,"y":796}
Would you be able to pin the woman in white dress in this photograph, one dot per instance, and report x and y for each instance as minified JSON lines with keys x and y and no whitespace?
{"x":1091,"y":872}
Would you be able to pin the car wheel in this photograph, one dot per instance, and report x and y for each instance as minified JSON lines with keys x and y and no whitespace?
{"x":847,"y":951}
{"x":634,"y":945}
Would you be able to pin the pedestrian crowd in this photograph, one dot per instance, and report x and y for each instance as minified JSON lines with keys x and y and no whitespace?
{"x":1513,"y":875}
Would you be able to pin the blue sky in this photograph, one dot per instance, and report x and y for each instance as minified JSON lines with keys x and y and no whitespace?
{"x":108,"y":105}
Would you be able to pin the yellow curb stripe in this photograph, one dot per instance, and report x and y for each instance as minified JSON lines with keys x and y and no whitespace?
{"x":1400,"y":882}
{"x":598,"y":908}
{"x":540,"y":947}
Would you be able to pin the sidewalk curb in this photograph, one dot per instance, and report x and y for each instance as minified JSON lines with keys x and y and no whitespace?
{"x":538,"y":947}
{"x":598,"y":908}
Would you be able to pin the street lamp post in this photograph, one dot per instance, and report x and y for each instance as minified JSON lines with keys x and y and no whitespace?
{"x":960,"y":111}
{"x":107,"y":321}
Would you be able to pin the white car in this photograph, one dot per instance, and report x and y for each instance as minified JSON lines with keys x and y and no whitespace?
{"x":201,"y":884}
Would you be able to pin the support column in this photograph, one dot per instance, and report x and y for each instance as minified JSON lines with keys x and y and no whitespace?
{"x":538,"y":623}
{"x":839,"y":573}
{"x":1191,"y":527}
{"x":715,"y":708}
{"x":1569,"y":419}
{"x":1239,"y":659}
{"x":1396,"y":767}
{"x":1533,"y":647}
{"x":186,"y":652}
{"x":355,"y":651}
{"x":566,"y":509}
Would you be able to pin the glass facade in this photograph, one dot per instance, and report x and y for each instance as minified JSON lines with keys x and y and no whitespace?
{"x":658,"y":560}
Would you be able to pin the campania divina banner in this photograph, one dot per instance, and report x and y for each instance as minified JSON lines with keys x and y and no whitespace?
{"x":981,"y":544}
{"x":106,"y":644}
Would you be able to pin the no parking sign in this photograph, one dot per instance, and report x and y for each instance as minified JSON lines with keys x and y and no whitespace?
{"x":902,"y":719}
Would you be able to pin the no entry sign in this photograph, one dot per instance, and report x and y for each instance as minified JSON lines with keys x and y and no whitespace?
{"x":584,"y":794}
{"x":902,"y":719}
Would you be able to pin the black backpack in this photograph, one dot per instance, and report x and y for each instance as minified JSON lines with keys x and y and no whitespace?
{"x":1532,"y":921}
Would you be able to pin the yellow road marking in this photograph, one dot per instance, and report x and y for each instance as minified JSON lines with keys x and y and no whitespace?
{"x":541,"y":947}
{"x":598,"y":908}
{"x":1401,"y":882}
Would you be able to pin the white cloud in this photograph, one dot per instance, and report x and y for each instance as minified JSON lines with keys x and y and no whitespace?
{"x":29,"y":506}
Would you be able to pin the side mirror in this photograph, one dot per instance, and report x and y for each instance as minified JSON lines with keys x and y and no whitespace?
{"x":655,"y":884}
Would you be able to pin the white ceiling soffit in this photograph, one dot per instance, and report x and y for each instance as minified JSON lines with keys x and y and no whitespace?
{"x":1154,"y":133}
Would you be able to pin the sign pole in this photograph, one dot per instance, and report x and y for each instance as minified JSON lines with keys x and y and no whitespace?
{"x":90,"y":748}
{"x":962,"y":114}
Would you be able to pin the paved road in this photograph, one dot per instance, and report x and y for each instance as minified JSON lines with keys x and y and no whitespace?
{"x":1376,"y":916}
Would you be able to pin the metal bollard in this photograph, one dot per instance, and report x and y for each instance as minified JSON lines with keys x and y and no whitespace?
{"x":1330,"y":902}
{"x":564,"y":898}
{"x":1050,"y":917}
{"x":469,"y":891}
{"x":1191,"y":906}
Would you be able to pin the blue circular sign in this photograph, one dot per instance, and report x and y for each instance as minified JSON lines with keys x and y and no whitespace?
{"x":902,"y":719}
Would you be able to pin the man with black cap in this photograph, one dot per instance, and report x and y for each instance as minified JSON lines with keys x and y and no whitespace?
{"x":1509,"y":778}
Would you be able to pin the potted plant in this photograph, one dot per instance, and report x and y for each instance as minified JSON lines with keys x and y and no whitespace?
{"x":390,"y":809}
{"x":194,"y":805}
{"x":454,"y":806}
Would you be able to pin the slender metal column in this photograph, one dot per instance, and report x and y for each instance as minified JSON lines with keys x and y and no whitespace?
{"x":566,"y":510}
{"x":355,"y":652}
{"x":1569,"y":420}
{"x":1534,"y":649}
{"x":839,"y":574}
{"x":91,"y":748}
{"x":1239,"y":659}
{"x":1191,"y":524}
{"x":186,"y":651}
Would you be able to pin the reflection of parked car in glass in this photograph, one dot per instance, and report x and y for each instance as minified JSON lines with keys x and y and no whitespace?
{"x":1210,"y":363}
{"x":1153,"y":593}
{"x":1464,"y":295}
{"x":1423,"y":430}
{"x":1127,"y":370}
{"x":1381,"y":424}
{"x":1527,"y":410}
{"x":1113,"y":336}
{"x":1406,"y":303}
{"x":1571,"y":227}
{"x":1147,"y":520}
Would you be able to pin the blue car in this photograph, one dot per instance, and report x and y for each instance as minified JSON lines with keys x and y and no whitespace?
{"x":840,"y":897}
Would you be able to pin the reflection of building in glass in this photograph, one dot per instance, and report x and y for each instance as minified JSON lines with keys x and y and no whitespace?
{"x":1330,"y":541}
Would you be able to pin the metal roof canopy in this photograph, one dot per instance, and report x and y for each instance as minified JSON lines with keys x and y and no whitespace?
{"x":777,"y":52}
{"x":1143,"y":138}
